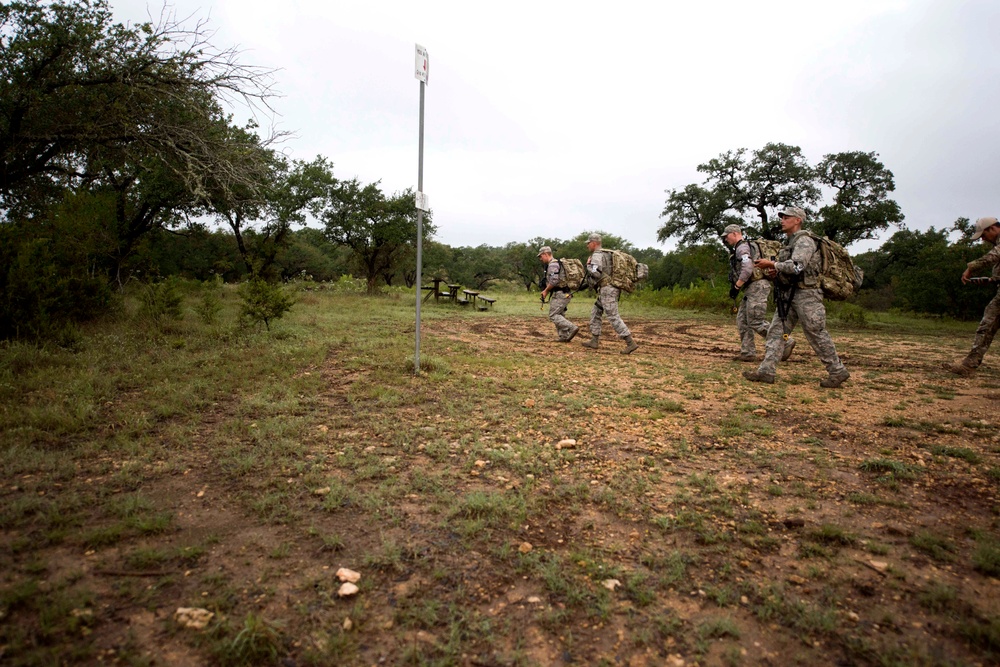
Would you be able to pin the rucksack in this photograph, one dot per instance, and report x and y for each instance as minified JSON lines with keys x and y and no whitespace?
{"x":766,"y":249}
{"x":759,"y":249}
{"x":571,"y":273}
{"x":839,"y":277}
{"x":626,"y":272}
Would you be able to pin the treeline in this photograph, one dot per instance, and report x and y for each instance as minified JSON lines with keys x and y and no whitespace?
{"x":913,"y":271}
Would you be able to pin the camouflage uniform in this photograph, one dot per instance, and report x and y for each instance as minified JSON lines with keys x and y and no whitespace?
{"x":990,"y":323}
{"x":750,"y":318}
{"x":599,"y":264}
{"x":800,"y":261}
{"x":559,"y":298}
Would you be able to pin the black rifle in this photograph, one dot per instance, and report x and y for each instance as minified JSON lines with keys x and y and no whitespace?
{"x":983,"y":280}
{"x":783,"y":302}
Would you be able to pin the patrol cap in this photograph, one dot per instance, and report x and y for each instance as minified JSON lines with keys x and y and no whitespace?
{"x":731,"y":229}
{"x":544,"y":249}
{"x":982,"y":225}
{"x":594,"y":238}
{"x":793,"y":212}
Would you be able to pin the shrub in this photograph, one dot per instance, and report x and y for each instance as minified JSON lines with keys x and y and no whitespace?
{"x":263,"y":302}
{"x":162,"y":299}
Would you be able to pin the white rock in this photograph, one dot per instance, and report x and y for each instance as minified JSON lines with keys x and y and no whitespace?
{"x":568,"y":443}
{"x":879,"y":565}
{"x":348,"y":575}
{"x":348,"y":624}
{"x":347,"y":590}
{"x":534,"y":599}
{"x":322,"y":492}
{"x":193,"y":618}
{"x":611,"y":584}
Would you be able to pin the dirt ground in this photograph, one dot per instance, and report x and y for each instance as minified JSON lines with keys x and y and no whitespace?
{"x":744,"y":523}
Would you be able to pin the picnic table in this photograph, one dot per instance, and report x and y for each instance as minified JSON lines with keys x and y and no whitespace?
{"x":454,"y":291}
{"x":470,"y":297}
{"x":435,"y":290}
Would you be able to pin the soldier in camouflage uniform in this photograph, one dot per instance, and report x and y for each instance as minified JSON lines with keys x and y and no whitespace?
{"x":560,"y":297}
{"x":598,"y":266}
{"x":798,"y":267}
{"x":989,"y":230}
{"x":750,"y":316}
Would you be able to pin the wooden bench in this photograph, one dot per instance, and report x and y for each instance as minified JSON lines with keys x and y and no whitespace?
{"x":462,"y":302}
{"x":488,"y":300}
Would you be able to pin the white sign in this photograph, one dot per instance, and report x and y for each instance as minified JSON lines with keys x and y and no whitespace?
{"x":423,"y":64}
{"x":423,"y":201}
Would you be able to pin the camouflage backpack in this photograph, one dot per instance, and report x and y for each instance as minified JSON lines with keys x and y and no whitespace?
{"x":839,"y":278}
{"x":759,"y":249}
{"x":766,"y":249}
{"x":571,"y":273}
{"x":625,"y":271}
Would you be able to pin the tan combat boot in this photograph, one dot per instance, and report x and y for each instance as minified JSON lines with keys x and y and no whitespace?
{"x":592,"y":343}
{"x":630,"y":345}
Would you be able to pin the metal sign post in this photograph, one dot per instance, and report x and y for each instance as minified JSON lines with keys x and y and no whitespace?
{"x":421,"y":71}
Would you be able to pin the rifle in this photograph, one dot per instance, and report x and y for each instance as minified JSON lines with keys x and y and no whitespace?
{"x":782,"y":302}
{"x":983,"y":280}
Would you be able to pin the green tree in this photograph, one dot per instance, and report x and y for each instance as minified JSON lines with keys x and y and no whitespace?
{"x":71,"y":80}
{"x":861,"y":206}
{"x":261,"y":216}
{"x":376,"y":228}
{"x":740,"y":187}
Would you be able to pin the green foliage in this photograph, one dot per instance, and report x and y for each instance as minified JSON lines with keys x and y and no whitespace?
{"x":700,"y":295}
{"x":741,"y":188}
{"x":45,"y":284}
{"x":861,"y":206}
{"x":162,"y":300}
{"x":258,"y":642}
{"x":919,"y":272}
{"x":262,"y":301}
{"x":378,"y":229}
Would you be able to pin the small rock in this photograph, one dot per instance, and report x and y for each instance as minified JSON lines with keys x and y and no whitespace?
{"x":611,"y":584}
{"x":193,"y":618}
{"x":744,"y":600}
{"x":348,"y":575}
{"x":534,"y":599}
{"x":675,"y":661}
{"x":567,"y":443}
{"x":529,"y":403}
{"x":480,"y":463}
{"x":760,"y":412}
{"x":794,"y":522}
{"x":879,"y":565}
{"x":347,"y":590}
{"x":348,"y":624}
{"x":525,"y":547}
{"x":796,"y":579}
{"x":853,"y":617}
{"x":322,"y":492}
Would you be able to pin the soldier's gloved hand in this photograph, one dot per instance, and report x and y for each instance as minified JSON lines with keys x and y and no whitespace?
{"x":734,"y":292}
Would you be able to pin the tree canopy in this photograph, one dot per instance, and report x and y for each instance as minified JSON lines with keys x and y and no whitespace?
{"x":747,"y":188}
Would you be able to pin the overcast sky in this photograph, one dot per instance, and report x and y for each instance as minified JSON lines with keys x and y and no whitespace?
{"x":552,"y":118}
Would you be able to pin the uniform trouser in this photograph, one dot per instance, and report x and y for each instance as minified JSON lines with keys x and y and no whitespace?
{"x":807,"y":308}
{"x":750,"y":318}
{"x":557,"y":306}
{"x":607,"y":304}
{"x":984,"y":333}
